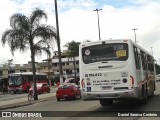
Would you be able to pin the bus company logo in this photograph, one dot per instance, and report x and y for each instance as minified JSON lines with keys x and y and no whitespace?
{"x":6,"y":114}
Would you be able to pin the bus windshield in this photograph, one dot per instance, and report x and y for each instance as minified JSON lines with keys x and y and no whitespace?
{"x":105,"y":52}
{"x":15,"y":80}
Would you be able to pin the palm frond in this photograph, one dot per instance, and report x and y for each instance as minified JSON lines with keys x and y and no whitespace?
{"x":39,"y":50}
{"x":37,"y":15}
{"x":19,"y":22}
{"x":46,"y":32}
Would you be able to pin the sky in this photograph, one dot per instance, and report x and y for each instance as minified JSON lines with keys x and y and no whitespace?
{"x":78,"y":22}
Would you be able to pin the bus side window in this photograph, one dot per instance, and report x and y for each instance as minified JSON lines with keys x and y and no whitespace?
{"x":143,"y":60}
{"x":150,"y":67}
{"x":137,"y":58}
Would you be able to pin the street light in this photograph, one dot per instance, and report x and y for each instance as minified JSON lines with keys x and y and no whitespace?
{"x":135,"y":34}
{"x":98,"y":22}
{"x":58,"y":43}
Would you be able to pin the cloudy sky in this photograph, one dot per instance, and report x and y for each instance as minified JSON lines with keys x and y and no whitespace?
{"x":78,"y":21}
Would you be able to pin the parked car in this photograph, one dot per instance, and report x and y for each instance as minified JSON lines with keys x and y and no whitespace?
{"x":41,"y":88}
{"x":157,"y":77}
{"x":68,"y":90}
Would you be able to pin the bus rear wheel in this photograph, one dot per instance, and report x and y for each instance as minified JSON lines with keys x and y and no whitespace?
{"x":106,"y":102}
{"x":145,"y":97}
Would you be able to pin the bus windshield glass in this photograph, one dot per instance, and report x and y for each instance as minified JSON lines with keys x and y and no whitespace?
{"x":105,"y":52}
{"x":15,"y":80}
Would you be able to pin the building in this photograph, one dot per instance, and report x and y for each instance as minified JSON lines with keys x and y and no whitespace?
{"x":48,"y":66}
{"x":14,"y":68}
{"x":67,"y":65}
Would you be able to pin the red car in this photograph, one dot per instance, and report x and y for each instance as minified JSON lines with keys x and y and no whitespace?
{"x":41,"y":88}
{"x":68,"y":90}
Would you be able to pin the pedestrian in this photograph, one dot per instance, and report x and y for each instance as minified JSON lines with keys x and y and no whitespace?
{"x":4,"y":87}
{"x":58,"y":83}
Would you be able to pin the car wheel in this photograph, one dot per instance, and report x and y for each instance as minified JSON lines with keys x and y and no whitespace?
{"x":48,"y":91}
{"x":58,"y":99}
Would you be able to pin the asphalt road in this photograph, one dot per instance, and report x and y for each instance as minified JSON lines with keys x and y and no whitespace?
{"x":79,"y":109}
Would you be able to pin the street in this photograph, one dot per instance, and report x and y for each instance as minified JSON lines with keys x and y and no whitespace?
{"x":69,"y":109}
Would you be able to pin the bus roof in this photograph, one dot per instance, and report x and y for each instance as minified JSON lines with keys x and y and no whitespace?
{"x":27,"y":73}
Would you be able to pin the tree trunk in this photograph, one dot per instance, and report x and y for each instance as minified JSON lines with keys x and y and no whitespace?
{"x":34,"y":69}
{"x":74,"y":64}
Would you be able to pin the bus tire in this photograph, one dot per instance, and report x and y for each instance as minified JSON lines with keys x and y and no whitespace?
{"x":106,"y":102}
{"x":145,"y":97}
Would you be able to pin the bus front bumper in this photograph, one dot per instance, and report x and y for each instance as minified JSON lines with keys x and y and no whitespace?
{"x":114,"y":95}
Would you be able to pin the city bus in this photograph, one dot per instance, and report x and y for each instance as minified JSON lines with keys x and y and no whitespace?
{"x":21,"y":82}
{"x":113,"y":70}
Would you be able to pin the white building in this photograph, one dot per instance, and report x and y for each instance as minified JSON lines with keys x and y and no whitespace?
{"x":67,"y":65}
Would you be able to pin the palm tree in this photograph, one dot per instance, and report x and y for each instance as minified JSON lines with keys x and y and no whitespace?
{"x":72,"y":52}
{"x":27,"y":33}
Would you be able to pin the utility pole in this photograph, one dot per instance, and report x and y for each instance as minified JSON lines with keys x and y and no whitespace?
{"x":98,"y":22}
{"x":58,"y":43}
{"x":135,"y":34}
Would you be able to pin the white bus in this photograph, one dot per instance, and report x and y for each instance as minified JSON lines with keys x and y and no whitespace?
{"x":116,"y":70}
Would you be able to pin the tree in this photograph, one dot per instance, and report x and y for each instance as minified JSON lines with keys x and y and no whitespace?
{"x":72,"y":52}
{"x":27,"y":33}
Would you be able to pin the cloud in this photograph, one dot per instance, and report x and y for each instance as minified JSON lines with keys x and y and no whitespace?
{"x":78,"y":21}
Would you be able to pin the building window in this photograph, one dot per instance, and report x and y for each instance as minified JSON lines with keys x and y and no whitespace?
{"x":1,"y":73}
{"x":77,"y":62}
{"x":77,"y":70}
{"x":11,"y":71}
{"x":55,"y":64}
{"x":23,"y":70}
{"x":67,"y":63}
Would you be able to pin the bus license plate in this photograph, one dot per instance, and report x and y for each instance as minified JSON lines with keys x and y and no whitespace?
{"x":106,"y":87}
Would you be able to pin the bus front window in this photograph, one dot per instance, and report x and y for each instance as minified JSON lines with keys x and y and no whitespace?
{"x":15,"y":80}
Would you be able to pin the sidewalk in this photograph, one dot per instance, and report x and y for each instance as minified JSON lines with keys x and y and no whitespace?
{"x":24,"y":101}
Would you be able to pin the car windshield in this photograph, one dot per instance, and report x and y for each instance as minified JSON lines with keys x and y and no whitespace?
{"x":65,"y":86}
{"x":70,"y":80}
{"x":105,"y":52}
{"x":38,"y":85}
{"x":15,"y":80}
